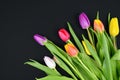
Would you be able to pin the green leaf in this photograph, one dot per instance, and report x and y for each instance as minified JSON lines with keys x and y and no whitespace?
{"x":77,"y":41}
{"x":91,"y":64}
{"x":118,"y":68}
{"x":42,"y":67}
{"x":55,"y":78}
{"x":65,"y":67}
{"x":87,"y":75}
{"x":116,"y":56}
{"x":92,"y":51}
{"x":111,"y":47}
{"x":56,"y":52}
{"x":107,"y":64}
{"x":114,"y":69}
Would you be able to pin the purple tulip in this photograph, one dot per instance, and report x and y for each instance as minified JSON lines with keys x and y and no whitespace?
{"x":84,"y":21}
{"x":40,"y":39}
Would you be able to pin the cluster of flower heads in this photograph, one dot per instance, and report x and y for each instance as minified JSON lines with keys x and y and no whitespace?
{"x":85,"y":24}
{"x":102,"y":56}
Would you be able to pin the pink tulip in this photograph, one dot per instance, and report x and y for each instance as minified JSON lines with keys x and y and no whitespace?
{"x":64,"y":35}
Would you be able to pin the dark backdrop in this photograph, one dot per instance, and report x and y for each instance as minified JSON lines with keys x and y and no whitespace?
{"x":20,"y":20}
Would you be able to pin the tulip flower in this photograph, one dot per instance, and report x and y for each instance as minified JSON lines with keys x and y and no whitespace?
{"x":40,"y":39}
{"x":114,"y":27}
{"x":84,"y":21}
{"x":71,"y":49}
{"x":98,"y":25}
{"x":49,"y":62}
{"x":85,"y":47}
{"x":64,"y":35}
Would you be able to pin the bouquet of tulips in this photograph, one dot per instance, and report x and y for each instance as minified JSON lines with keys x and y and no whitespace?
{"x":95,"y":58}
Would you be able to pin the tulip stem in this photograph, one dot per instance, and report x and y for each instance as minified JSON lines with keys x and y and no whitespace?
{"x":90,"y":37}
{"x":114,"y":42}
{"x":69,"y":41}
{"x":80,"y":76}
{"x":83,"y":64}
{"x":56,"y":71}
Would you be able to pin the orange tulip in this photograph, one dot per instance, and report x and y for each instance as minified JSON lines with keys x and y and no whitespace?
{"x":98,"y":25}
{"x":71,"y":49}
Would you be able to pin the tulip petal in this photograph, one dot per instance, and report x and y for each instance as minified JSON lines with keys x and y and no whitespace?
{"x":64,"y":35}
{"x":49,"y":62}
{"x":40,"y":39}
{"x":84,"y":21}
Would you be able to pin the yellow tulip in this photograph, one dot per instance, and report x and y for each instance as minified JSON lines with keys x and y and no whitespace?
{"x":86,"y":49}
{"x":114,"y":27}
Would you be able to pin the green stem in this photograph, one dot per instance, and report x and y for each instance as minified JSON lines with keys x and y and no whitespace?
{"x":83,"y":64}
{"x":56,"y":71}
{"x":69,"y":41}
{"x":90,"y":37}
{"x":114,"y":42}
{"x":80,"y":76}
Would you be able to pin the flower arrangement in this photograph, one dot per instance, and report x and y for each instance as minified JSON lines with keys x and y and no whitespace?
{"x":96,"y":58}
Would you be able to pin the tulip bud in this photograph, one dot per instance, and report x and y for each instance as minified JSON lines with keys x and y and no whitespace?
{"x":64,"y":35}
{"x":49,"y":62}
{"x":71,"y":50}
{"x":56,"y":60}
{"x":40,"y":39}
{"x":114,"y":27}
{"x":85,"y":47}
{"x":98,"y":25}
{"x":84,"y":21}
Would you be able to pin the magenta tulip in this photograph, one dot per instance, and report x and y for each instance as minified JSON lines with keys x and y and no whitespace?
{"x":40,"y":39}
{"x":84,"y":21}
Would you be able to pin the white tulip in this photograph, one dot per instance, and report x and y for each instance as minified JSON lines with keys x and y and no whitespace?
{"x":49,"y":62}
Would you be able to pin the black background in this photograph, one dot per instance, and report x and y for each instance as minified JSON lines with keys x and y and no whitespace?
{"x":20,"y":20}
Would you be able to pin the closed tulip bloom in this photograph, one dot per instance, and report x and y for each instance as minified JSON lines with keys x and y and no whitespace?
{"x":114,"y":27}
{"x":84,"y":21}
{"x":98,"y":25}
{"x":40,"y":39}
{"x":71,"y":49}
{"x":64,"y":35}
{"x":85,"y":47}
{"x":49,"y":62}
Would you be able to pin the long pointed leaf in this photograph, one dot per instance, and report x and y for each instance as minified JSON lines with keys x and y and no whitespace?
{"x":42,"y":67}
{"x":55,"y":78}
{"x":78,"y":43}
{"x":107,"y":64}
{"x":65,"y":67}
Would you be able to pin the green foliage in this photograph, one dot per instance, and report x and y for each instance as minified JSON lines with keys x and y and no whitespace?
{"x":102,"y":64}
{"x":55,"y":78}
{"x":78,"y":43}
{"x":47,"y":70}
